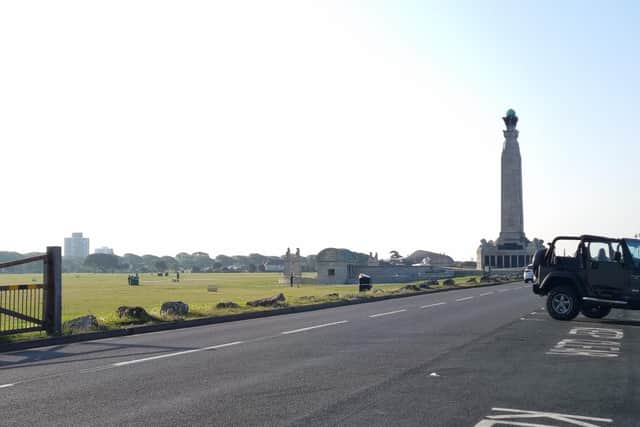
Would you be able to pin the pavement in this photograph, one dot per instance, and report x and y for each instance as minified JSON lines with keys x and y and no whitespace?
{"x":472,"y":357}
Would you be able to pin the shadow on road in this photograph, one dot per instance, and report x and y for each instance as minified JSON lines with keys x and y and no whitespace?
{"x":51,"y":355}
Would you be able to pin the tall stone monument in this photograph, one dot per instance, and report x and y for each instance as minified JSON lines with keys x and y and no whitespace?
{"x":511,"y":219}
{"x":512,"y":249}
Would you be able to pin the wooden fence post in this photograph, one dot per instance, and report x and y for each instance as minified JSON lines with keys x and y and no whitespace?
{"x":53,"y":290}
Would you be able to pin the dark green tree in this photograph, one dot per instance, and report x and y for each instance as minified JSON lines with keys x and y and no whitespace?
{"x":225,"y":260}
{"x":103,"y":262}
{"x":135,"y":263}
{"x":171,"y":263}
{"x":160,"y":265}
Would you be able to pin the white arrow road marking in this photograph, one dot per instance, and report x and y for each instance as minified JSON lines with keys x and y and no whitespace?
{"x":314,"y":327}
{"x":179,"y":353}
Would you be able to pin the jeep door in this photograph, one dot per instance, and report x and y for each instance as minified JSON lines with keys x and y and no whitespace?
{"x":607,"y":276}
{"x":632,"y":258}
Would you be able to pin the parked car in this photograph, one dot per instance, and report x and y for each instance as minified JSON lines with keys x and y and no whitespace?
{"x":602,"y":274}
{"x":527,"y":275}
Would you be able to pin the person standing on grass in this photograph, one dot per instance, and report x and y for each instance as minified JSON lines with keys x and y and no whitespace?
{"x":177,"y":276}
{"x":291,"y":279}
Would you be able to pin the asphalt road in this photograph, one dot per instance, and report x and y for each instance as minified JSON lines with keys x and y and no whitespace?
{"x":469,"y":357}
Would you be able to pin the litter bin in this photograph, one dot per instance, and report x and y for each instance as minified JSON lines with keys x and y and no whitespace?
{"x":364,"y":282}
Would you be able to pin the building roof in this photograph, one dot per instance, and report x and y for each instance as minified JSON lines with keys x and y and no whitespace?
{"x":337,"y":255}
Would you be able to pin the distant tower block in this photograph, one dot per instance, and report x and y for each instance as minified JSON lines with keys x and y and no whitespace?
{"x":292,"y":268}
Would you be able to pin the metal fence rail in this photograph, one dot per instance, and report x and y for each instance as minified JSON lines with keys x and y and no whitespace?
{"x":33,"y":307}
{"x":21,"y":308}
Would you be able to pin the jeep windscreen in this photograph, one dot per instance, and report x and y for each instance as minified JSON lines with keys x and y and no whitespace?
{"x":565,"y":246}
{"x":634,"y":249}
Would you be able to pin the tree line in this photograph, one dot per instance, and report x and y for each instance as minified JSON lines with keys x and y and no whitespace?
{"x":131,"y":263}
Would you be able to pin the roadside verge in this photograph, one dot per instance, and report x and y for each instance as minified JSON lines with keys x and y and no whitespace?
{"x":179,"y":324}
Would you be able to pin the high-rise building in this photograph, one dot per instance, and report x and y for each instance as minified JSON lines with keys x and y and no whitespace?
{"x":76,"y":246}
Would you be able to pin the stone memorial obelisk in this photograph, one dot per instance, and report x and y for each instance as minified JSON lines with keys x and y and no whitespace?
{"x":512,"y":221}
{"x":512,"y":249}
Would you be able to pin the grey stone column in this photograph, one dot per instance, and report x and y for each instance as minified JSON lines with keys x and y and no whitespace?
{"x":512,"y":221}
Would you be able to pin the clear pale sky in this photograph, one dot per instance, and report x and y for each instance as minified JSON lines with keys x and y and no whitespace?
{"x":235,"y":127}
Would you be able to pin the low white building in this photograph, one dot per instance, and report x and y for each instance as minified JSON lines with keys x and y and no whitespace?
{"x":274,"y":266}
{"x":103,"y":250}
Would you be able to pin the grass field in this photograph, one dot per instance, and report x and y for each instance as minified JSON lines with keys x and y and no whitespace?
{"x":102,"y":294}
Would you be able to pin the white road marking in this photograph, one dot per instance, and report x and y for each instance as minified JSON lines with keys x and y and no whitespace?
{"x":485,"y":294}
{"x":519,"y":414}
{"x":432,"y":305}
{"x":179,"y":353}
{"x":388,"y":313}
{"x":504,"y":290}
{"x":463,"y":299}
{"x":589,"y":346}
{"x":6,"y":385}
{"x":314,"y":327}
{"x":605,"y":333}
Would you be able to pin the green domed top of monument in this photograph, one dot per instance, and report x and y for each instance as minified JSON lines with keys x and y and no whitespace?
{"x":511,"y":120}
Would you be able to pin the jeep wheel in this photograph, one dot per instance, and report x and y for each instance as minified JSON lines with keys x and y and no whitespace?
{"x":595,"y":311}
{"x":563,"y":303}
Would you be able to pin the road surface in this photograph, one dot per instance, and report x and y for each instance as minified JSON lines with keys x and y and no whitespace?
{"x":483,"y":356}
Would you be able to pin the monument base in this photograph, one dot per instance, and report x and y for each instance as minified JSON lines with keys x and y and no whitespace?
{"x":507,"y":254}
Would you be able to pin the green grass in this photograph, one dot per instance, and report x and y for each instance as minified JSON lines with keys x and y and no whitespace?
{"x":101,"y":294}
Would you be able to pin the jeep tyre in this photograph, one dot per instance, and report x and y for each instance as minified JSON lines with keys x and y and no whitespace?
{"x":595,"y":311}
{"x":563,"y":303}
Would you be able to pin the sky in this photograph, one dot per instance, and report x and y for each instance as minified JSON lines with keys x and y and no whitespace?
{"x":157,"y":127}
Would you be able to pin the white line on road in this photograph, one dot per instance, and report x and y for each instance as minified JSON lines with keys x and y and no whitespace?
{"x":387,"y":313}
{"x":485,"y":294}
{"x":179,"y":353}
{"x":432,"y":305}
{"x":463,"y":299}
{"x":504,"y":290}
{"x":314,"y":327}
{"x":6,"y":385}
{"x":552,"y":415}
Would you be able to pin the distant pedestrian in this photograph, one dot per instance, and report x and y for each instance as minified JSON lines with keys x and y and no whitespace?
{"x":291,"y":279}
{"x":177,"y":276}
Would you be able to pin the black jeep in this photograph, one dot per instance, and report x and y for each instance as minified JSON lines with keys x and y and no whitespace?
{"x":603,"y":273}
